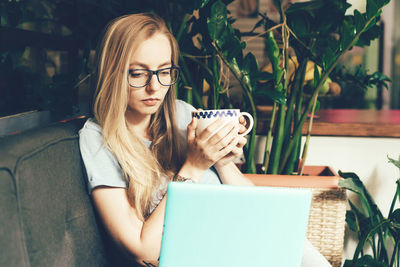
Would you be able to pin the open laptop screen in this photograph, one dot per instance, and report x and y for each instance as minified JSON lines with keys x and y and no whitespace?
{"x":225,"y":225}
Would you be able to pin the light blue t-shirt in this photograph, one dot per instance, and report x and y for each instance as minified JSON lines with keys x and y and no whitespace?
{"x":103,"y":169}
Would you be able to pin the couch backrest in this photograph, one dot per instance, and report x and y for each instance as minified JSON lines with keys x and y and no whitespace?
{"x":46,"y":216}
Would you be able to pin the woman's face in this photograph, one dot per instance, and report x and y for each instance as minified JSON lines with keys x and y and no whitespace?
{"x":152,"y":54}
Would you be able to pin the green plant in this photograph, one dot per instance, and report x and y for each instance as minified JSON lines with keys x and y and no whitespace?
{"x":374,"y":231}
{"x":316,"y":31}
{"x":354,"y":84}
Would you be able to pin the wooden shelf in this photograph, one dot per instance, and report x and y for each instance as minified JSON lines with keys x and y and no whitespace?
{"x":348,"y":122}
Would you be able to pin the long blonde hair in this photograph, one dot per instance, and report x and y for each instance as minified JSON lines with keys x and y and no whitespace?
{"x":142,"y":166}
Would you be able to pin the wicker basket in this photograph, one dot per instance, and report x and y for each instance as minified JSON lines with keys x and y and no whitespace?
{"x":328,"y":207}
{"x":327,"y":223}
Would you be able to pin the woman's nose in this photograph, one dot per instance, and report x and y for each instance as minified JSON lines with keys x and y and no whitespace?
{"x":154,"y":84}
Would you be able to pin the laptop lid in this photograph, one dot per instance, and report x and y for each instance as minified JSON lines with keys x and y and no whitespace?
{"x":234,"y":226}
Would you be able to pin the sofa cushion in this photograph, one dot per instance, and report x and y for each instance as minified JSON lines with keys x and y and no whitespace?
{"x":47,"y":210}
{"x":12,"y":246}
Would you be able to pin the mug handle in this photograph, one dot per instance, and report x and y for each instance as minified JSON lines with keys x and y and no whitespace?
{"x":251,"y":122}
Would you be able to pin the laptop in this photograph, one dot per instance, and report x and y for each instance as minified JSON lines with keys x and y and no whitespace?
{"x":234,"y":226}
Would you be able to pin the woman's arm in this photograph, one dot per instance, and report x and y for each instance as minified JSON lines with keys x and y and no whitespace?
{"x":230,"y":174}
{"x":141,"y":239}
{"x":227,"y":170}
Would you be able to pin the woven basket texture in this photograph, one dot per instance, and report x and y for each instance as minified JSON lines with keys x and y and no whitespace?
{"x":327,"y":223}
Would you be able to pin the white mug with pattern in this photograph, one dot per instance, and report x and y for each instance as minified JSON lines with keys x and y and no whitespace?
{"x":206,"y":117}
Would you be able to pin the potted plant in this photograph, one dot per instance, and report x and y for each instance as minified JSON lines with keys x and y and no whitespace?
{"x":317,"y":32}
{"x":378,"y":236}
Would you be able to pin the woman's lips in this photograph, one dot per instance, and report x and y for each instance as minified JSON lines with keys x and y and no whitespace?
{"x":151,"y":101}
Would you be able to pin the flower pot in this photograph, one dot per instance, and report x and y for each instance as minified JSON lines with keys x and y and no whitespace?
{"x":328,"y":208}
{"x":313,"y":177}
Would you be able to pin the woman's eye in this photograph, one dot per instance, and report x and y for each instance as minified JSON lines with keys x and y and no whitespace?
{"x":165,"y":72}
{"x":138,"y":74}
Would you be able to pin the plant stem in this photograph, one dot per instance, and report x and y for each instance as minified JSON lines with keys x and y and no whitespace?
{"x":182,"y":27}
{"x":361,"y":243}
{"x":264,"y":32}
{"x":269,"y":140}
{"x":277,"y":141}
{"x":396,"y":247}
{"x":293,"y":113}
{"x":189,"y":81}
{"x":215,"y":80}
{"x":305,"y":149}
{"x":397,"y":195}
{"x":251,"y":166}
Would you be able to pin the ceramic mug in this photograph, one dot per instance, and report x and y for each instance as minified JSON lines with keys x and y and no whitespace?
{"x":206,"y":117}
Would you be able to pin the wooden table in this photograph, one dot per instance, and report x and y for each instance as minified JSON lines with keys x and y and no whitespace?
{"x":348,"y":122}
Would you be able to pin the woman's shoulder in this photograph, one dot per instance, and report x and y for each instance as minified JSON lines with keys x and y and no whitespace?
{"x":183,"y":114}
{"x":183,"y":107}
{"x":91,"y":126}
{"x":91,"y":133}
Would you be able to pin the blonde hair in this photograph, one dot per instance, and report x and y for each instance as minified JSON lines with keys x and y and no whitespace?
{"x":142,"y":166}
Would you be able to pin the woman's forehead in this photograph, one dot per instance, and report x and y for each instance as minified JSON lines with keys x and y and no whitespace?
{"x":153,"y":52}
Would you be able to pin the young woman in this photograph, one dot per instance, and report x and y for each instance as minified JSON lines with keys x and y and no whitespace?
{"x":141,"y":137}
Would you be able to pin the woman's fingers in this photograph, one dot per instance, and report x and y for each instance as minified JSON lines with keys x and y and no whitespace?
{"x":236,"y":152}
{"x":191,"y":130}
{"x":226,"y":146}
{"x":213,"y":128}
{"x":242,"y":142}
{"x":220,"y":140}
{"x":242,"y":124}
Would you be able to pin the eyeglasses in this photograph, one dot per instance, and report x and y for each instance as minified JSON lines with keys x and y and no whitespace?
{"x":142,"y":77}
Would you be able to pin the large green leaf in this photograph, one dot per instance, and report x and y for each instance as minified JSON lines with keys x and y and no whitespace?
{"x":250,"y":69}
{"x":218,"y":21}
{"x":395,"y":162}
{"x":369,"y":35}
{"x":347,"y":33}
{"x":395,"y":216}
{"x":277,"y":96}
{"x":353,"y":183}
{"x":359,"y":221}
{"x":300,"y":23}
{"x":352,"y":221}
{"x":359,"y":20}
{"x":395,"y":229}
{"x":278,"y":5}
{"x":372,"y":8}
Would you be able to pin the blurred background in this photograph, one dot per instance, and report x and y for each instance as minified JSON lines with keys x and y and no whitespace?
{"x":47,"y":49}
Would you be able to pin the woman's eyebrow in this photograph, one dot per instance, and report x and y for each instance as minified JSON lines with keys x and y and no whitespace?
{"x":145,"y":66}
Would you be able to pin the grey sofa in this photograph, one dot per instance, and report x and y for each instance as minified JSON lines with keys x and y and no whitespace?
{"x":46,"y":215}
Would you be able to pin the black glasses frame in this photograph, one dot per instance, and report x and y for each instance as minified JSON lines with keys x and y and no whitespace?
{"x":154,"y":72}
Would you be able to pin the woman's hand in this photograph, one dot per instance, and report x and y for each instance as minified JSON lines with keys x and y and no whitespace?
{"x":242,"y":124}
{"x":238,"y":150}
{"x":210,"y":146}
{"x":236,"y":153}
